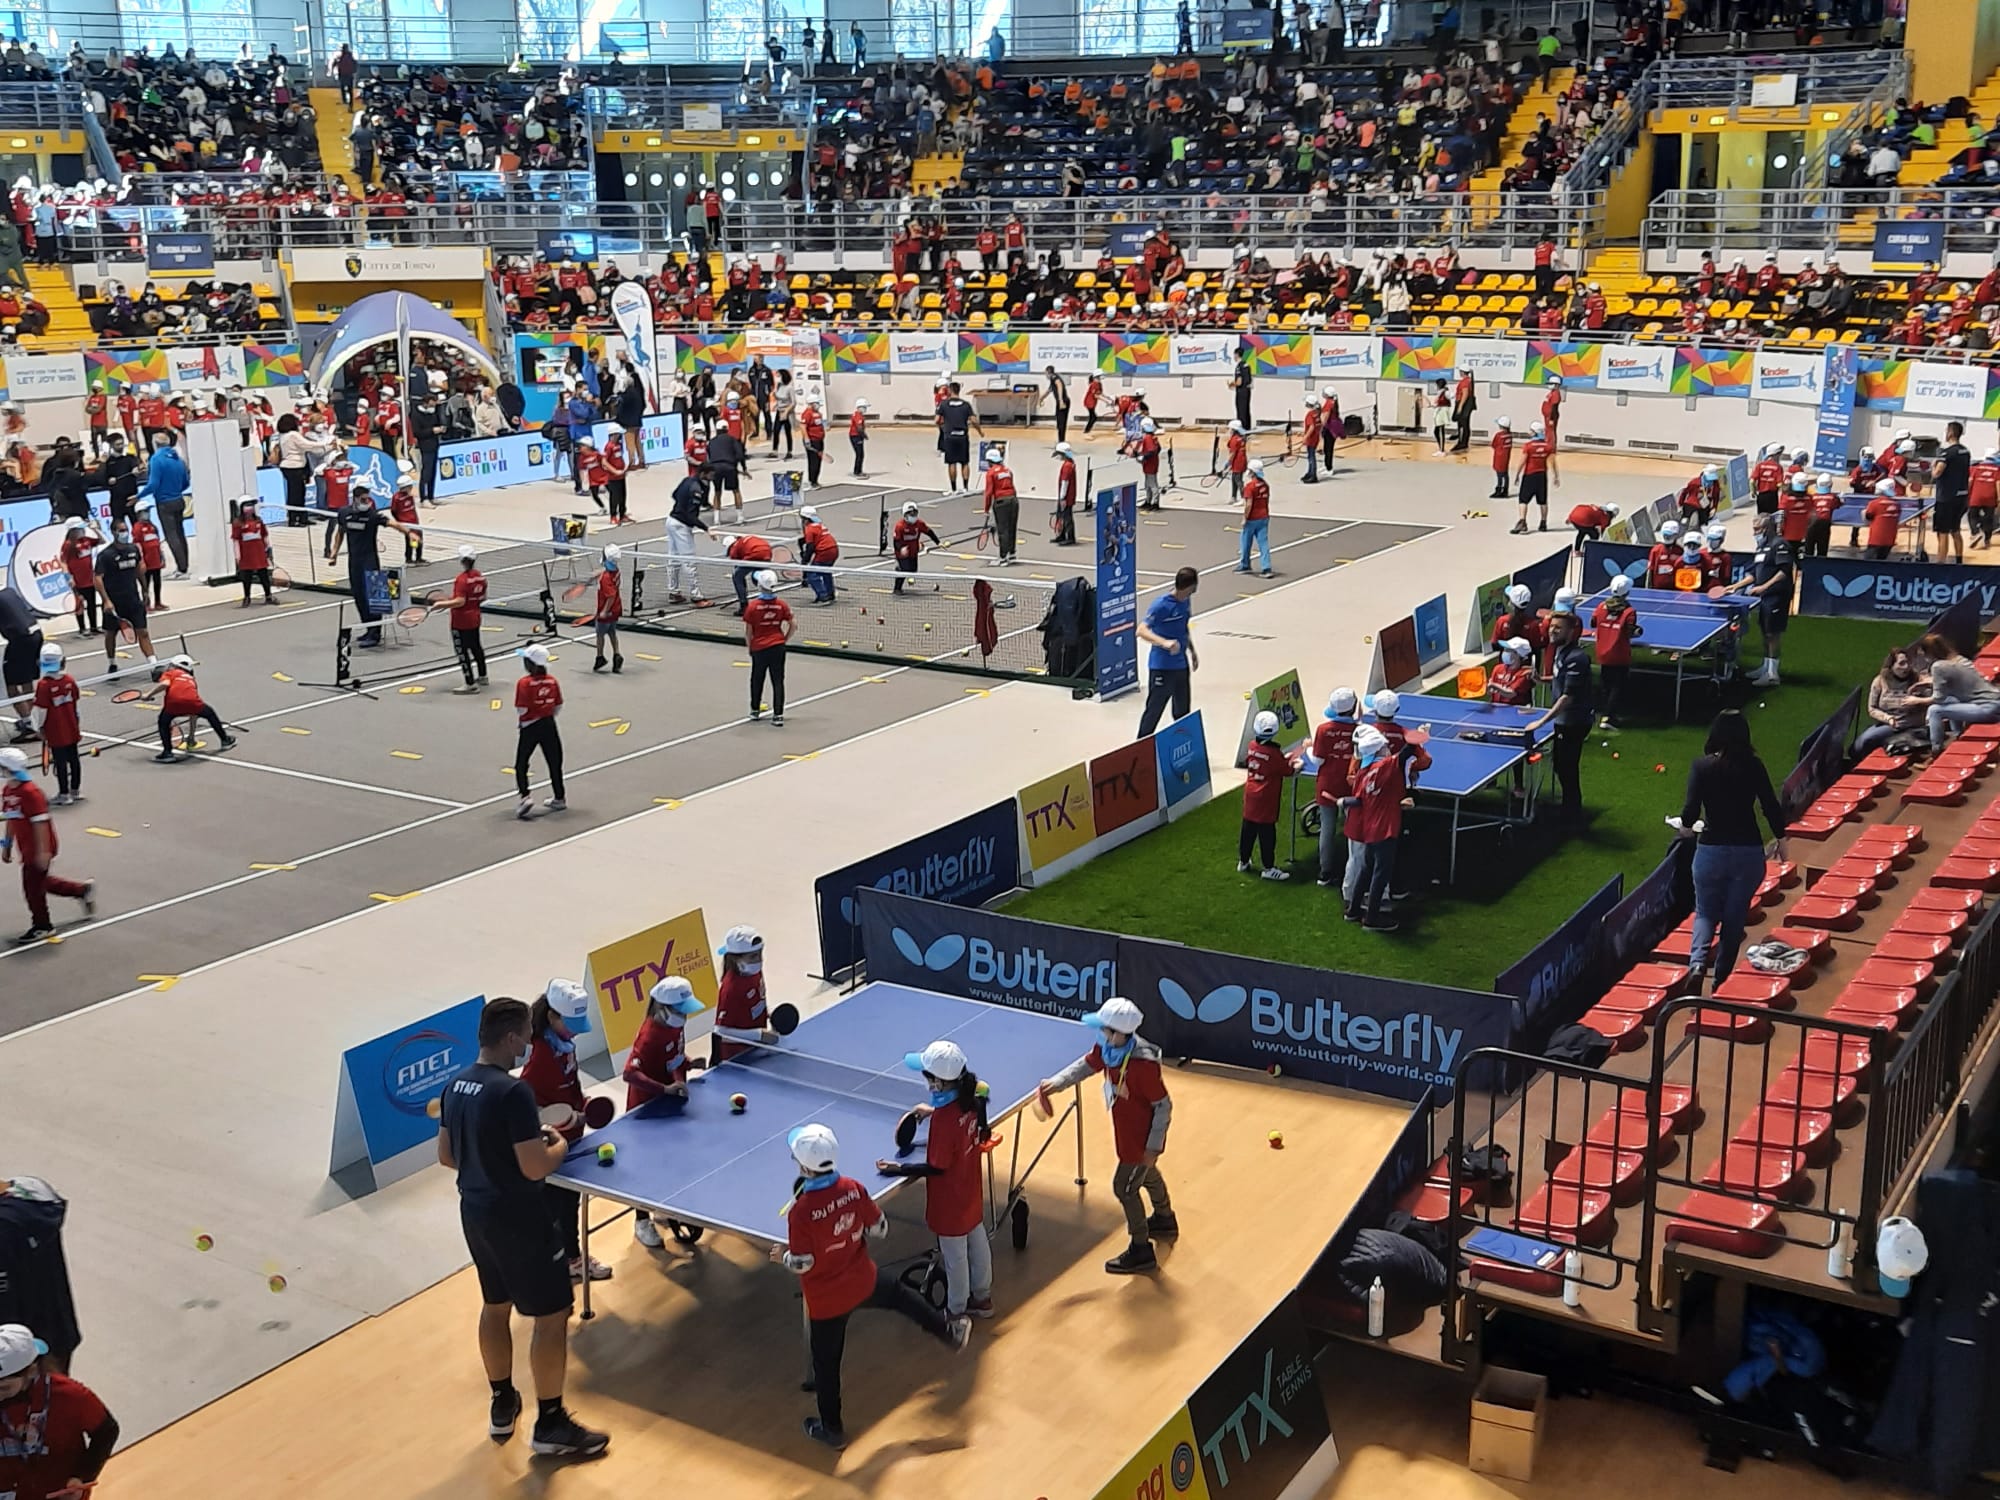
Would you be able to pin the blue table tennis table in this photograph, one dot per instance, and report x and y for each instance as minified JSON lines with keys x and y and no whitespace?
{"x":1681,"y":625}
{"x":1916,"y":510}
{"x":1473,"y":744}
{"x":699,"y":1164}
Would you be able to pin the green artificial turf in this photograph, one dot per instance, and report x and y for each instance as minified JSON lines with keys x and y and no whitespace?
{"x":1180,"y":882}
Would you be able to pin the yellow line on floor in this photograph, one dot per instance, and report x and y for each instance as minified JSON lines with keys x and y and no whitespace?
{"x":406,"y":755}
{"x":105,"y":833}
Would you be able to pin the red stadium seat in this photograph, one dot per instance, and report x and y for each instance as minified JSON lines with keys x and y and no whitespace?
{"x":1627,"y":1132}
{"x":1784,"y":871}
{"x":1806,"y":1131}
{"x":1732,"y":1225}
{"x":1833,"y":913}
{"x":1430,"y":1202}
{"x":1858,"y":784}
{"x":1619,"y":1173}
{"x":1944,"y":898}
{"x":1911,"y":834}
{"x":1633,"y":1000}
{"x":1747,"y":987}
{"x":1935,"y":791}
{"x":1624,"y":1029}
{"x":1669,"y":977}
{"x":1860,"y":889}
{"x":1972,"y":846}
{"x":1968,"y":874}
{"x":1814,"y":826}
{"x":1812,"y":939}
{"x":1768,"y":1171}
{"x":1726,"y":1026}
{"x":1912,"y":947}
{"x":1976,"y":732}
{"x":1932,"y":923}
{"x":1862,"y":864}
{"x":1829,"y":1052}
{"x":1897,"y":974}
{"x":1893,"y":1001}
{"x":1570,"y":1216}
{"x":1797,"y":1089}
{"x":1882,"y":763}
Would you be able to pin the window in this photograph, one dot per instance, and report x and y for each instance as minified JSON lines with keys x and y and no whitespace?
{"x":735,"y":30}
{"x":421,"y":29}
{"x":216,"y":28}
{"x":913,"y":29}
{"x":153,"y":24}
{"x":550,"y":29}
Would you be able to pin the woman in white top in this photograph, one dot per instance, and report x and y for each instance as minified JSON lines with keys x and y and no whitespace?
{"x":781,"y":412}
{"x":1959,"y":694}
{"x":486,"y":418}
{"x":1440,"y":405}
{"x":296,"y":453}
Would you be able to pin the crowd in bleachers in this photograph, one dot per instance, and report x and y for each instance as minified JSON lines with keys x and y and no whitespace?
{"x":409,"y":123}
{"x":181,"y":113}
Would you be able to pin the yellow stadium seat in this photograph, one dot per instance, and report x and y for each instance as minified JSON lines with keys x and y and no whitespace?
{"x":1851,"y":336}
{"x":1454,"y":323}
{"x":888,"y":279}
{"x":843,"y":301}
{"x":1651,"y":330}
{"x":1515,"y":283}
{"x":1517,"y":305}
{"x":1823,"y":336}
{"x":976,"y":320}
{"x":1448,"y":302}
{"x":1490,"y":282}
{"x":1362,"y":322}
{"x":1085,"y":280}
{"x":1799,"y":336}
{"x":1718,"y":309}
{"x":1429,"y":322}
{"x":1291,"y":320}
{"x":933,"y":319}
{"x":932,"y":301}
{"x":799,"y":282}
{"x":1475,"y":325}
{"x":1671,"y":308}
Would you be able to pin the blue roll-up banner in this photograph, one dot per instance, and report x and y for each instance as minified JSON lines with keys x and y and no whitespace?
{"x":1836,"y":408}
{"x":388,"y":1085}
{"x":981,"y":955}
{"x":1117,"y":590}
{"x":965,"y":863}
{"x":1433,"y":632}
{"x":1554,"y":977}
{"x":1182,"y":747}
{"x":1891,"y":590}
{"x":1904,"y":243}
{"x":179,"y":253}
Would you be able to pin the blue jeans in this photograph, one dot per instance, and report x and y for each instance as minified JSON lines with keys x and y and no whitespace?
{"x":1256,"y":533}
{"x":822,"y":586}
{"x":1941,"y":714}
{"x":1726,"y":877}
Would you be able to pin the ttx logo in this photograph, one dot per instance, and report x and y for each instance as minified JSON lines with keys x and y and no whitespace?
{"x":1051,"y":815}
{"x":1268,"y":1424}
{"x":642,"y":980}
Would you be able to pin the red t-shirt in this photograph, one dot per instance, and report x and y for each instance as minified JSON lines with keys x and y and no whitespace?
{"x":739,"y":1000}
{"x":1589,"y":516}
{"x":468,"y":592}
{"x":537,"y":697}
{"x":766,"y":619}
{"x":1535,"y":456}
{"x":830,"y":1224}
{"x":857,"y":425}
{"x":253,"y":543}
{"x":1612,"y":634}
{"x":1503,"y":451}
{"x":553,"y":1077}
{"x":1268,"y":769}
{"x":1885,"y":517}
{"x":57,"y":698}
{"x":658,"y":1054}
{"x":24,"y":817}
{"x":1767,"y":476}
{"x":1333,"y":748}
{"x":1662,"y":562}
{"x":147,"y":535}
{"x":1985,"y":486}
{"x":609,"y":605}
{"x":825,"y":549}
{"x":953,"y":1202}
{"x":66,"y":1413}
{"x":1510,"y":685}
{"x":1256,"y":499}
{"x":1824,"y":506}
{"x":1794,"y":510}
{"x":1552,"y":408}
{"x":999,"y":484}
{"x":1379,"y":815}
{"x":183,"y":696}
{"x":1239,"y":453}
{"x":79,"y":557}
{"x":1134,"y":1087}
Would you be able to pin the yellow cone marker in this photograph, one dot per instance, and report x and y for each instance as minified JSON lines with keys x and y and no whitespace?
{"x":105,"y":833}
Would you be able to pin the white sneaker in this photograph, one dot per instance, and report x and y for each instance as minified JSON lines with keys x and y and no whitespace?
{"x":596,"y":1269}
{"x":647,"y":1233}
{"x":60,"y":799}
{"x":1242,"y":867}
{"x":526,"y":810}
{"x":556,"y":804}
{"x":1275,"y":873}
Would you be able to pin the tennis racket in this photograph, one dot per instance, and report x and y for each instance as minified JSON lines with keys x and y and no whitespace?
{"x":413,"y":615}
{"x":129,"y":695}
{"x":281,"y":581}
{"x":1210,"y":480}
{"x":984,"y":539}
{"x":785,"y":562}
{"x":126,"y":634}
{"x":1055,"y":523}
{"x":577,"y":590}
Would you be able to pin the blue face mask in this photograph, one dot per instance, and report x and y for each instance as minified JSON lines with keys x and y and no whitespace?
{"x":1369,"y":757}
{"x":1114,"y":1055}
{"x":610,"y":566}
{"x":814,"y":1184}
{"x":941,"y":1097}
{"x":559,"y":1040}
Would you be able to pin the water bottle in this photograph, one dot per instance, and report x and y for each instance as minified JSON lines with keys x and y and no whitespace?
{"x":1377,"y":1305}
{"x":1572,"y":1278}
{"x":1839,"y":1262}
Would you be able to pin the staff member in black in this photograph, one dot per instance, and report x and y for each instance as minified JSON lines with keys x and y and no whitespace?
{"x":728,"y":461}
{"x":1059,"y":402}
{"x":1726,"y":788}
{"x":121,"y":579}
{"x":1569,"y":676}
{"x":1239,"y":382}
{"x":64,"y":479}
{"x":1772,"y":570}
{"x":20,"y":656}
{"x":119,"y":474}
{"x":955,"y":423}
{"x":427,"y":427}
{"x":359,"y":526}
{"x":491,"y":1134}
{"x":1952,"y":470}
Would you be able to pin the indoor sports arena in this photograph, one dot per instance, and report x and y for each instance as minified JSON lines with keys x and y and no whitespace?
{"x":1059,"y":752}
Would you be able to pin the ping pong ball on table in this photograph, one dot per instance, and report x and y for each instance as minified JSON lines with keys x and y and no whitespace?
{"x":738,"y":1103}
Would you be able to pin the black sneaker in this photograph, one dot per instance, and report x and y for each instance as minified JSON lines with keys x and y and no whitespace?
{"x":504,"y":1412}
{"x":562,"y":1436}
{"x":1327,"y":882}
{"x":36,"y":935}
{"x":1163,"y":1225}
{"x":1352,"y":913}
{"x":1380,"y":924}
{"x":166,"y":756}
{"x":819,"y":1432}
{"x":1135,"y":1260}
{"x":229,"y":742}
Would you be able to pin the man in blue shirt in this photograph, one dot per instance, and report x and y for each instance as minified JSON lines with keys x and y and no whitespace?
{"x":1171,"y":664}
{"x":167,"y":483}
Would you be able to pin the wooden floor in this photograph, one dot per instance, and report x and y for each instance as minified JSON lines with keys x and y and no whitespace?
{"x":693,"y":1360}
{"x":1403,"y":1430}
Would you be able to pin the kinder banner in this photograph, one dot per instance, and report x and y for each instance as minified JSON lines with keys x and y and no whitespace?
{"x":1055,"y":815}
{"x":1647,"y":368}
{"x":488,"y":463}
{"x":1070,"y":353}
{"x":1502,"y":360}
{"x":993,"y":353}
{"x":1794,"y":379}
{"x":982,"y":955}
{"x":1578,"y":362}
{"x":1182,"y":747}
{"x":388,"y":1087}
{"x":622,"y":974}
{"x":1279,"y":355}
{"x":851,"y":352}
{"x":1943,"y":390}
{"x":206,"y":367}
{"x":1132,"y":354}
{"x":965,"y":863}
{"x":1202,"y":353}
{"x":1410,"y":356}
{"x":1346,"y":356}
{"x":1711,"y":372}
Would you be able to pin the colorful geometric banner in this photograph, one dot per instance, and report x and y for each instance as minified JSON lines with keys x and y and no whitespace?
{"x":1418,"y":356}
{"x":273,"y":364}
{"x":1992,"y":394}
{"x":1883,"y":383}
{"x":993,"y":353}
{"x":1577,"y":362}
{"x":123,"y":367}
{"x":1711,"y":372}
{"x":710,"y":351}
{"x":850,"y":351}
{"x":1280,"y":355}
{"x":1132,"y":353}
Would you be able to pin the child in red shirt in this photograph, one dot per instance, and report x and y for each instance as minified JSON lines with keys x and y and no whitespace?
{"x":740,"y":1005}
{"x":554,"y":1021}
{"x":857,"y":435}
{"x":1135,"y":1091}
{"x":403,"y":508}
{"x":1332,"y":753}
{"x":175,"y":678}
{"x":146,"y":532}
{"x":59,"y":1434}
{"x":57,"y":722}
{"x":1263,"y":791}
{"x":252,"y":539}
{"x":954,"y":1206}
{"x":827,"y":1224}
{"x":767,"y":626}
{"x":537,"y":700}
{"x":1503,"y":456}
{"x":79,"y":560}
{"x":1614,"y":626}
{"x":1983,"y":497}
{"x":1374,"y":823}
{"x":657,"y":1068}
{"x":1884,"y":516}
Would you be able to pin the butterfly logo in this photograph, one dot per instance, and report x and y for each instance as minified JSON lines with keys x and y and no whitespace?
{"x":1854,"y":588}
{"x":1633,"y":570}
{"x":941,"y":955}
{"x":1218,"y":1004}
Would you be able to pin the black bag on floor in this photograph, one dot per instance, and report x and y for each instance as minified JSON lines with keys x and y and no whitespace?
{"x":1069,"y":630}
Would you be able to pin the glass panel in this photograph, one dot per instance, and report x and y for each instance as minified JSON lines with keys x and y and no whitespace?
{"x":419,"y":29}
{"x":153,"y":24}
{"x":216,"y":28}
{"x":735,"y":31}
{"x":550,"y":29}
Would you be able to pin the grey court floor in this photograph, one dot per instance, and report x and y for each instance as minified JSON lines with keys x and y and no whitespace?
{"x":333,"y":800}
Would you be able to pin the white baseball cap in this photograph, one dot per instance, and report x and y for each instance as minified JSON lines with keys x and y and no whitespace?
{"x":1621,"y":585}
{"x":807,"y":513}
{"x":571,"y":1001}
{"x":1385,"y":703}
{"x":1670,"y":532}
{"x":675,"y":994}
{"x":1368,"y":740}
{"x":19,"y":1349}
{"x":941,"y":1059}
{"x":1505,"y":424}
{"x":1518,"y":595}
{"x":741,"y":940}
{"x":1265,"y":725}
{"x":1900,"y":1253}
{"x":1116,"y":1014}
{"x":466,"y":554}
{"x":767,"y":580}
{"x":1343,"y":701}
{"x":1517,"y":648}
{"x":814,"y":1147}
{"x":535,"y":656}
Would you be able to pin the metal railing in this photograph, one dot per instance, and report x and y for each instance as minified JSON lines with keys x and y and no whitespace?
{"x":1591,"y":171}
{"x":748,"y":105}
{"x":1280,"y":223}
{"x":1728,"y":83}
{"x":1866,"y":115}
{"x":1687,"y":222}
{"x":41,"y":106}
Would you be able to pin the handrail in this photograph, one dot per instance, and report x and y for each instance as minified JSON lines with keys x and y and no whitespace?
{"x":48,"y":105}
{"x":1726,"y":82}
{"x":1591,"y":171}
{"x":1817,"y":218}
{"x":663,"y":107}
{"x":1872,"y":108}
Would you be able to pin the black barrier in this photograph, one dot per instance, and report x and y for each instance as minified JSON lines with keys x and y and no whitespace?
{"x":966,"y":863}
{"x":1821,"y":760}
{"x":1562,"y":969}
{"x":1959,"y":623}
{"x":1392,"y":1038}
{"x":1838,"y":725}
{"x":1543,"y":578}
{"x":1651,"y":909}
{"x":1260,"y":1418}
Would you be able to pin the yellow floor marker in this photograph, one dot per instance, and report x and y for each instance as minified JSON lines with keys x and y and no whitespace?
{"x":105,"y":833}
{"x":621,"y":728}
{"x":1174,"y":546}
{"x":645,"y":656}
{"x":977,"y":693}
{"x":406,"y":755}
{"x":667,"y":802}
{"x":415,"y":687}
{"x":739,"y":664}
{"x":875,"y":679}
{"x":809,"y":755}
{"x":89,"y":692}
{"x":494,"y":705}
{"x":279,"y":677}
{"x":273,"y":867}
{"x":161,"y":982}
{"x":380,"y":896}
{"x":292,"y":729}
{"x":601,"y":723}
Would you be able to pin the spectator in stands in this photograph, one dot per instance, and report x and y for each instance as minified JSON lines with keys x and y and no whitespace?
{"x":1727,"y":787}
{"x":1959,"y":694}
{"x":1897,"y":700}
{"x":345,"y":66}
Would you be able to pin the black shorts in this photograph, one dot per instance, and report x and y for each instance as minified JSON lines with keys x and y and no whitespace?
{"x":126,"y":611}
{"x":1947,"y":516}
{"x":1773,"y":618}
{"x":956,"y":447}
{"x":1767,"y":502}
{"x":519,"y":1254}
{"x":23,"y":658}
{"x":1535,"y":488}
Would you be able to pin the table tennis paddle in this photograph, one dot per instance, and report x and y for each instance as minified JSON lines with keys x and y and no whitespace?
{"x":906,"y":1133}
{"x":784,"y":1019}
{"x":1044,"y":1110}
{"x":576,"y":591}
{"x":558,"y":1117}
{"x":1718,"y":591}
{"x":1421,"y":735}
{"x":598,"y":1112}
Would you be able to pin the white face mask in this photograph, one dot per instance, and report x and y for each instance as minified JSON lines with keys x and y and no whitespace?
{"x":754,"y":966}
{"x":522,"y":1060}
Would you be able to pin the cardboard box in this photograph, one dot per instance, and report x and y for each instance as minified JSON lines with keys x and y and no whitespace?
{"x":1508,"y":1408}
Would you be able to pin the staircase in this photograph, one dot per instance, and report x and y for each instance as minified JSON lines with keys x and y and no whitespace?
{"x":1539,"y":100}
{"x":1926,"y":166}
{"x":69,"y":324}
{"x":938,"y":170}
{"x":332,"y":121}
{"x":1619,"y":269}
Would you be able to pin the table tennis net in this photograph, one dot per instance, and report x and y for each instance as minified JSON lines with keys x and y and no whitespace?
{"x":897,"y":1089}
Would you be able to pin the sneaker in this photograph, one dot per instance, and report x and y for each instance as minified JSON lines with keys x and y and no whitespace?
{"x":503,"y":1414}
{"x":778,"y":720}
{"x":470,"y":687}
{"x":1242,"y":867}
{"x":556,"y":804}
{"x":819,"y":1432}
{"x":1352,"y":913}
{"x":756,"y":714}
{"x":166,"y":757}
{"x":60,"y":799}
{"x":599,"y":665}
{"x":958,"y":1331}
{"x":1274,"y":873}
{"x":617,"y":665}
{"x":1267,"y":573}
{"x":562,"y":1436}
{"x":1132,"y":1261}
{"x":526,"y":810}
{"x":36,"y":934}
{"x":597,"y":1269}
{"x":1326,"y":882}
{"x":647,"y":1233}
{"x":1381,"y":924}
{"x":979,"y":1307}
{"x":1163,"y":1225}
{"x":229,"y":742}
{"x":1519,"y":528}
{"x":88,"y":896}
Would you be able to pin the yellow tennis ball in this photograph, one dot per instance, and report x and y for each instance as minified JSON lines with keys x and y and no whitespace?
{"x":277,"y":1283}
{"x":204,"y":1242}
